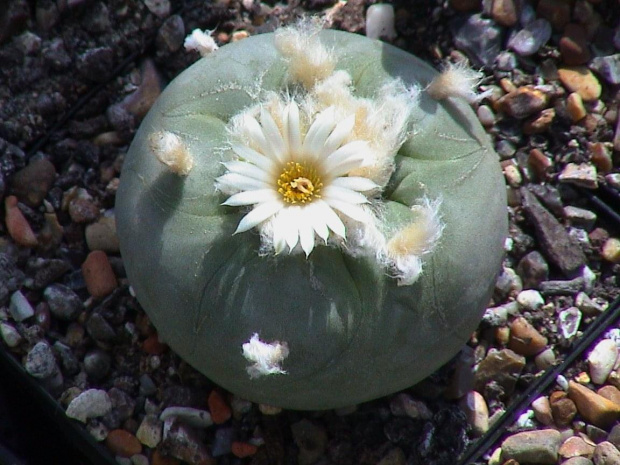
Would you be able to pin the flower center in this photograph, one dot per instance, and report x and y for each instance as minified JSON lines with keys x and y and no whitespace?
{"x":299,"y":183}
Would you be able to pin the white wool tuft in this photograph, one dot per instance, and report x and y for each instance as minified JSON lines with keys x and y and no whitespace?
{"x":457,"y":80}
{"x":172,"y":152}
{"x":200,"y":41}
{"x":265,"y":357}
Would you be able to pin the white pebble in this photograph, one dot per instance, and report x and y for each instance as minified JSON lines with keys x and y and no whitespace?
{"x":90,"y":404}
{"x":530,"y":299}
{"x":380,"y":22}
{"x":569,"y":321}
{"x":191,"y":416}
{"x":602,"y":360}
{"x":562,"y":382}
{"x":19,"y":307}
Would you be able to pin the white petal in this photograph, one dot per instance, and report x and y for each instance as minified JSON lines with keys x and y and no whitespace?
{"x":339,"y":134}
{"x":352,"y":211}
{"x":318,"y":222}
{"x":353,"y":150}
{"x":330,"y":217}
{"x":320,"y":129}
{"x":293,"y":130}
{"x":286,"y":223}
{"x":355,"y":183}
{"x":279,"y":241}
{"x":272,"y":134}
{"x":259,"y":214}
{"x":306,"y":236}
{"x":263,"y":162}
{"x":251,"y":197}
{"x":256,"y":135}
{"x":241,"y":182}
{"x":247,"y":169}
{"x":343,"y":195}
{"x":343,"y":168}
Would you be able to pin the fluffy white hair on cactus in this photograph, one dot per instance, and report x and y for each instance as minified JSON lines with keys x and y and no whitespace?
{"x":266,"y":357}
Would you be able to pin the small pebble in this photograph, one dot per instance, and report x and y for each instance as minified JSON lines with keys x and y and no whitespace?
{"x":542,"y":410}
{"x":610,"y":392}
{"x":539,"y":163}
{"x":533,"y":269}
{"x":562,"y":408}
{"x":40,"y":361}
{"x":592,"y":407}
{"x":525,"y":339}
{"x":611,"y":250}
{"x":97,"y":430}
{"x":10,"y":335}
{"x":608,"y":67}
{"x":19,"y":307}
{"x":569,"y":321}
{"x":486,"y":115}
{"x":528,"y":40}
{"x":380,"y":22}
{"x":18,"y":227}
{"x":601,"y":360}
{"x":606,"y":453}
{"x":539,"y":123}
{"x":183,"y":443}
{"x":160,"y":8}
{"x":189,"y":415}
{"x":243,"y":449}
{"x":501,"y":366}
{"x":222,"y":443}
{"x":32,"y":183}
{"x":582,"y":175}
{"x":601,"y":157}
{"x":150,"y":431}
{"x":532,"y":447}
{"x":63,"y":302}
{"x":545,"y":359}
{"x":504,"y":12}
{"x":101,"y":235}
{"x":580,"y":217}
{"x":574,"y":45}
{"x":479,"y":37}
{"x":220,"y":411}
{"x":123,"y":443}
{"x":476,"y":411}
{"x":581,"y":80}
{"x":405,"y":405}
{"x":523,"y":102}
{"x":97,"y":364}
{"x":530,"y":300}
{"x":557,"y":12}
{"x":576,"y":446}
{"x":98,"y":274}
{"x":68,"y":361}
{"x":92,"y":403}
{"x":587,"y":305}
{"x":574,"y":106}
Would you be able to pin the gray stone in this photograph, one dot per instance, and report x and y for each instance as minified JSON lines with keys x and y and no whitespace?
{"x":189,"y":415}
{"x":608,"y":67}
{"x":97,"y":364}
{"x":10,"y":275}
{"x":578,"y":461}
{"x":10,"y":335}
{"x":562,"y":287}
{"x":606,"y":453}
{"x":528,"y":40}
{"x":99,"y":328}
{"x":40,"y":361}
{"x":170,"y":35}
{"x":147,"y":386}
{"x":404,"y":405}
{"x":480,"y":38}
{"x":63,"y":302}
{"x":580,"y":217}
{"x":123,"y":406}
{"x":92,"y":403}
{"x":19,"y":307}
{"x":587,"y":305}
{"x":555,"y":241}
{"x":182,"y":442}
{"x":68,"y":361}
{"x":582,"y":175}
{"x":160,"y":8}
{"x":97,"y":430}
{"x":506,"y":61}
{"x":533,"y":447}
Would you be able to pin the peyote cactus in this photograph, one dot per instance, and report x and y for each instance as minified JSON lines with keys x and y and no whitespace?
{"x":312,"y":218}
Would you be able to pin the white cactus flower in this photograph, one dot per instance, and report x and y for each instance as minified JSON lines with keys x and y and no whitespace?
{"x":293,"y":169}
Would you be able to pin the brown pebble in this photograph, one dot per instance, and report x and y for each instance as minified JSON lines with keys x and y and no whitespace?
{"x":539,"y":123}
{"x":32,"y":183}
{"x":557,"y":12}
{"x":523,"y":102}
{"x":98,"y":274}
{"x":592,"y":407}
{"x":575,"y":108}
{"x":581,"y":80}
{"x":574,"y":45}
{"x":123,"y":443}
{"x":562,"y":408}
{"x":576,"y":446}
{"x":610,"y":392}
{"x":583,"y":175}
{"x":159,"y":459}
{"x":504,"y":12}
{"x":152,"y":346}
{"x":542,"y":410}
{"x":17,"y":225}
{"x":101,"y":235}
{"x":611,"y":250}
{"x":83,"y":210}
{"x":140,"y":102}
{"x":525,"y":339}
{"x":606,"y":453}
{"x":539,"y":163}
{"x":600,"y":156}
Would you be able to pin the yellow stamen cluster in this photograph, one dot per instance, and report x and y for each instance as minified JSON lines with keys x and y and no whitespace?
{"x":299,"y":183}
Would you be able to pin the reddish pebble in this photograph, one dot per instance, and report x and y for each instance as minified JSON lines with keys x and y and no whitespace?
{"x":17,"y":225}
{"x":243,"y":449}
{"x":98,"y":274}
{"x":219,"y":409}
{"x":123,"y":443}
{"x":152,"y":346}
